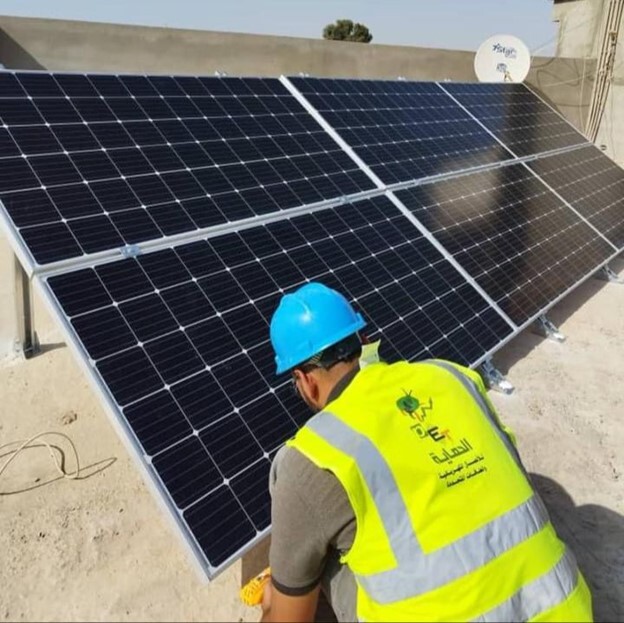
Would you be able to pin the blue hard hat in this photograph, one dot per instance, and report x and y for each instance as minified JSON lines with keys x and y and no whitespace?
{"x":308,"y":321}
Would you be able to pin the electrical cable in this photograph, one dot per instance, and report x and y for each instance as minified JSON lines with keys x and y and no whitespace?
{"x":26,"y":444}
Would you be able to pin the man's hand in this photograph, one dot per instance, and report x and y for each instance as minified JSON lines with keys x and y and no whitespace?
{"x":280,"y":608}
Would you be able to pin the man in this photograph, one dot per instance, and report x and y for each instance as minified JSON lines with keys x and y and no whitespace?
{"x":404,"y":495}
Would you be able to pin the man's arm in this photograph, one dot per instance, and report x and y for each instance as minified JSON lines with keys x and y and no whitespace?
{"x":280,"y":608}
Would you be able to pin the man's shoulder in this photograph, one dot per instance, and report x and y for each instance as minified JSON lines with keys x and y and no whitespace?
{"x":291,"y":468}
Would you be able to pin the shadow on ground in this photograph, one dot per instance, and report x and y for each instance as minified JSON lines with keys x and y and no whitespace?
{"x":596,"y":536}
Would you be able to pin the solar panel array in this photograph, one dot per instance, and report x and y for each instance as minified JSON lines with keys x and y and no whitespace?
{"x":402,"y":130}
{"x":592,"y":183}
{"x":180,"y":339}
{"x":236,"y":191}
{"x":516,"y":116}
{"x":91,"y":163}
{"x":518,"y":240}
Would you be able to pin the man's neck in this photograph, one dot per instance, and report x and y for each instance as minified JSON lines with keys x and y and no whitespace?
{"x":340,"y":380}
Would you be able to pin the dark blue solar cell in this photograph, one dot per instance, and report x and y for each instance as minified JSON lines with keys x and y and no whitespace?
{"x":111,"y":135}
{"x":157,"y":420}
{"x":187,"y":471}
{"x":144,"y":133}
{"x":32,"y":207}
{"x":93,"y":109}
{"x":164,"y":268}
{"x":148,"y":317}
{"x":94,"y":166}
{"x":35,"y":140}
{"x":150,"y":189}
{"x":165,"y":85}
{"x":220,"y":525}
{"x":54,"y":170}
{"x":202,"y":400}
{"x":124,"y":279}
{"x":138,"y":85}
{"x":231,"y":445}
{"x":213,"y":340}
{"x":247,"y":325}
{"x":79,"y":292}
{"x":129,"y":375}
{"x":95,"y":233}
{"x":269,"y":422}
{"x":10,"y":86}
{"x":126,"y":109}
{"x":135,"y":225}
{"x":256,"y":500}
{"x":130,"y":161}
{"x":223,"y":291}
{"x":104,"y":332}
{"x":51,"y":242}
{"x":171,"y":218}
{"x":231,"y":250}
{"x":174,"y":357}
{"x":187,"y":303}
{"x":190,"y":85}
{"x":203,"y":211}
{"x":15,"y":174}
{"x":39,"y":85}
{"x":76,"y":85}
{"x":199,"y":258}
{"x":55,"y":110}
{"x":114,"y":195}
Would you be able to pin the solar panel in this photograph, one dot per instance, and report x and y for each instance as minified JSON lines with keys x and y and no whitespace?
{"x":402,"y":130}
{"x":178,"y":341}
{"x":520,"y":242}
{"x":516,"y":116}
{"x":90,"y":163}
{"x":592,"y":183}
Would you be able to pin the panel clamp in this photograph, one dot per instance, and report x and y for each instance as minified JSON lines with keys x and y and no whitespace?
{"x":130,"y":250}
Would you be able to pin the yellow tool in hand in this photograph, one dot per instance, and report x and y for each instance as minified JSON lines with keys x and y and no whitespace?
{"x":251,"y":594}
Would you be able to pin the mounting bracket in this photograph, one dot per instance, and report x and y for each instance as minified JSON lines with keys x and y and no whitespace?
{"x":494,"y":378}
{"x":608,"y":274}
{"x":544,"y":327}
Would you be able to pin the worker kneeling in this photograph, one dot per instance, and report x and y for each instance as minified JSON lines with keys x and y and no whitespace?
{"x":404,"y":495}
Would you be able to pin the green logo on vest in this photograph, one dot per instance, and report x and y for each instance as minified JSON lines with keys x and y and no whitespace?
{"x":408,"y":404}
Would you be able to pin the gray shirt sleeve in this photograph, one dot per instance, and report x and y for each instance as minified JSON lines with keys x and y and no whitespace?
{"x":311,"y":515}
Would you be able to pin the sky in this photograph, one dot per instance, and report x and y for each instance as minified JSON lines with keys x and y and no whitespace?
{"x":453,"y":24}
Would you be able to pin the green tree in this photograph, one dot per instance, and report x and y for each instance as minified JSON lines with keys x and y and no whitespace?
{"x":347,"y":30}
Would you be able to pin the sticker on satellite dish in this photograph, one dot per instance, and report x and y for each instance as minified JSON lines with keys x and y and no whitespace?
{"x":502,"y":58}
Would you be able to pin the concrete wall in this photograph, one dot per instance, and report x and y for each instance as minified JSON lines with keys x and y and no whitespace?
{"x":580,"y":27}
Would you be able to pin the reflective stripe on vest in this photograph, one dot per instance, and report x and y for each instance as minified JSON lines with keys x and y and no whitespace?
{"x":416,"y":572}
{"x":538,"y":596}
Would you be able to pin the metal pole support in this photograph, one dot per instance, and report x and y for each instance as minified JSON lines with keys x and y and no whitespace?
{"x":27,"y":342}
{"x":494,"y":379}
{"x":544,"y":327}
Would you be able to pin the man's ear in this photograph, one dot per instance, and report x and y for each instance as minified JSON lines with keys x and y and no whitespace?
{"x":309,"y":387}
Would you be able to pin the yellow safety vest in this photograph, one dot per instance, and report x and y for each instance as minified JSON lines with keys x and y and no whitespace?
{"x":448,"y":525}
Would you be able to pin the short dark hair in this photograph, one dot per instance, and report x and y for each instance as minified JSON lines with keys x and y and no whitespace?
{"x":347,"y":349}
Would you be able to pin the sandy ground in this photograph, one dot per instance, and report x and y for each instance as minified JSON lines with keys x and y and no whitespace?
{"x":100,"y":549}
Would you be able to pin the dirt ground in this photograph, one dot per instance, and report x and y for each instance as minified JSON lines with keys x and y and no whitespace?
{"x":100,"y":549}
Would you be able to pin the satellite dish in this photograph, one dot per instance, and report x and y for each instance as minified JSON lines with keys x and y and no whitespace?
{"x":502,"y":58}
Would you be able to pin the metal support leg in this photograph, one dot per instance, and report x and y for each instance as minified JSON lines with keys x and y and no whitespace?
{"x":607,"y":274}
{"x":27,"y":341}
{"x":544,"y":327}
{"x":494,"y":378}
